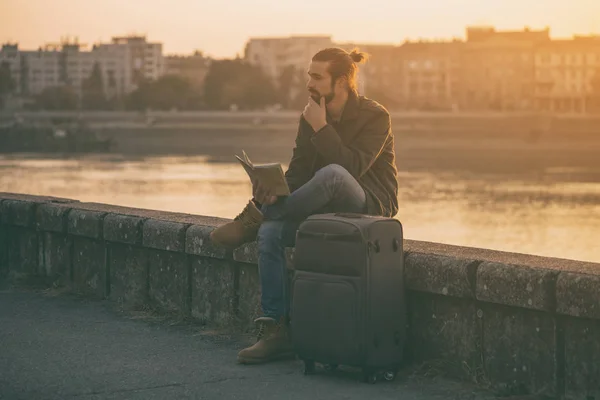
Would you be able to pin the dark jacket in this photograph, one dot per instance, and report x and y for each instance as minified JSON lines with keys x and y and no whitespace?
{"x":362,"y":142}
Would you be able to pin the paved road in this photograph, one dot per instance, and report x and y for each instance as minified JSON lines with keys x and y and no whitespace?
{"x":62,"y":347}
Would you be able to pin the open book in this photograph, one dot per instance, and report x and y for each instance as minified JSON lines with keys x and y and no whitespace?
{"x":269,"y":175}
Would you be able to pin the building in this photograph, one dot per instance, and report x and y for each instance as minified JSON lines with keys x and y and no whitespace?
{"x":429,"y":75}
{"x":124,"y":64}
{"x":145,"y":59}
{"x":273,"y":55}
{"x":193,"y":68}
{"x":498,"y":69}
{"x":567,"y":75}
{"x":378,"y":77}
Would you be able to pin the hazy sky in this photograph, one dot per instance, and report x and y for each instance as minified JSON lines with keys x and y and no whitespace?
{"x":221,"y":28}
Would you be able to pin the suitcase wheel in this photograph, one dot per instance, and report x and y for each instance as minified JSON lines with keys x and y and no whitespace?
{"x":309,"y":367}
{"x":389,"y":375}
{"x":330,"y":367}
{"x":372,"y":377}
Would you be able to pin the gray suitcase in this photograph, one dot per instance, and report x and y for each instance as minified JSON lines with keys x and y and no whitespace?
{"x":348,"y":303}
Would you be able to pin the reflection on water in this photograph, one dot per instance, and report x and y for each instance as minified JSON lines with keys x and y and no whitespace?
{"x":546,"y":217}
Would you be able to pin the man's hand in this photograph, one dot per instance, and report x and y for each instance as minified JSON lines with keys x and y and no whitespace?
{"x":315,"y":114}
{"x":262,"y":194}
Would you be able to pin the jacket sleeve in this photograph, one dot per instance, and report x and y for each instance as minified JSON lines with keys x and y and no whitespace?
{"x":358,"y":156}
{"x":299,"y":169}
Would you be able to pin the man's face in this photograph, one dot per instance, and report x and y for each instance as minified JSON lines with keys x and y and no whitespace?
{"x":319,"y":82}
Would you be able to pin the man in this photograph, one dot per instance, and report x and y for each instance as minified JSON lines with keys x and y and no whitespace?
{"x":343,"y":161}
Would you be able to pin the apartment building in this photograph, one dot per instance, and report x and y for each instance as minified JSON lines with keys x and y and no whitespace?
{"x":567,"y":75}
{"x":429,"y":75}
{"x":273,"y":55}
{"x":498,"y":68}
{"x":124,"y":64}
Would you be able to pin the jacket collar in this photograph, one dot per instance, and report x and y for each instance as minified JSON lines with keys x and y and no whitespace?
{"x":352,"y":107}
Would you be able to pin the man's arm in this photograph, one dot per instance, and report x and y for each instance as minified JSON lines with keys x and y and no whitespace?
{"x":298,"y":172}
{"x":357,"y":157}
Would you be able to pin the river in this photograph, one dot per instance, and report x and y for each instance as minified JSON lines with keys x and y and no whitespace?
{"x":551,"y":214}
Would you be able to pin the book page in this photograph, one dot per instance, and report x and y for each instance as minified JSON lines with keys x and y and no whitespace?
{"x":269,"y":175}
{"x":248,"y":168}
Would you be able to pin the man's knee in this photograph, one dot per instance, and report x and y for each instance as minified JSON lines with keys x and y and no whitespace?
{"x":333,"y":172}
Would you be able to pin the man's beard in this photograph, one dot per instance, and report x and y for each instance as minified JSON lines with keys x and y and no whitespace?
{"x":316,"y":96}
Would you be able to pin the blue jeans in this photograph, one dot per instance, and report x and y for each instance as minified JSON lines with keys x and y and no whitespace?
{"x":332,"y":189}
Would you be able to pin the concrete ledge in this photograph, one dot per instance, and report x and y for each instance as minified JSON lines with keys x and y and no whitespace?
{"x":523,"y":323}
{"x":212,"y":291}
{"x":52,"y":217}
{"x":248,"y":253}
{"x":163,"y":235}
{"x":85,"y":223}
{"x":197,"y":242}
{"x":501,"y":257}
{"x":34,"y":198}
{"x":520,"y":349}
{"x":578,"y":295}
{"x":518,"y":286}
{"x":582,"y":352}
{"x":18,"y":212}
{"x":123,"y":228}
{"x":440,"y":274}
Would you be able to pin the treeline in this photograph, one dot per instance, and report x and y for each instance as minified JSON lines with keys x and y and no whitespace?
{"x":228,"y":83}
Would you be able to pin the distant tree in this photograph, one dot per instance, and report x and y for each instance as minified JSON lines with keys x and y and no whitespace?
{"x":7,"y":83}
{"x":237,"y":82}
{"x":57,"y":98}
{"x":92,"y":91}
{"x":167,"y":92}
{"x":286,"y":85}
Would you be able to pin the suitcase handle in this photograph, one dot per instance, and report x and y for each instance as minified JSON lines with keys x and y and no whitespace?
{"x":350,"y":215}
{"x":339,"y":237}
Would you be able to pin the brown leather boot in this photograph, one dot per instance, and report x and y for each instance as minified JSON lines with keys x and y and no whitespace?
{"x":242,"y":229}
{"x":273,"y":343}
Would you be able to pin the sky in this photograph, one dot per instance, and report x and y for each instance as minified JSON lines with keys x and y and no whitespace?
{"x":221,"y":28}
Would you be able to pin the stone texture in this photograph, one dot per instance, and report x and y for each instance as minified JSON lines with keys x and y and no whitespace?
{"x":128,"y":269}
{"x":518,"y":286}
{"x":578,"y":295}
{"x":213,"y":291}
{"x":3,"y":249}
{"x":23,"y":253}
{"x":520,"y":350}
{"x":164,"y":235}
{"x":447,"y":330}
{"x":248,"y":295}
{"x":52,"y":217}
{"x":168,"y":280}
{"x":197,"y":242}
{"x":89,"y":267}
{"x":123,"y":229}
{"x":56,"y":260}
{"x":85,"y":223}
{"x":34,"y":198}
{"x":582,"y":355}
{"x":247,"y":253}
{"x":18,"y":212}
{"x":448,"y":276}
{"x":500,"y":257}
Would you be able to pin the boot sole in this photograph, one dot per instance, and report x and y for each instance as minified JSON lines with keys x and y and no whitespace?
{"x":277,"y":357}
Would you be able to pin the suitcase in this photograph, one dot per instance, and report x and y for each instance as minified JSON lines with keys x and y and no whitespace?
{"x":347,"y":298}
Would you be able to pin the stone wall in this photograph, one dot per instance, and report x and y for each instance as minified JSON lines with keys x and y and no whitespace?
{"x":520,"y":323}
